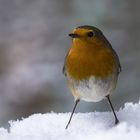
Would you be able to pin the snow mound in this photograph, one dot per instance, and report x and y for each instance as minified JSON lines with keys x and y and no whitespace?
{"x":84,"y":126}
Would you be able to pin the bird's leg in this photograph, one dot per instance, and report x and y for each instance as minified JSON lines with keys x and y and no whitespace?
{"x":116,"y":119}
{"x":76,"y":102}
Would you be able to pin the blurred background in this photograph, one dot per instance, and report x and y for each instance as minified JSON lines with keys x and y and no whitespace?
{"x":33,"y":44}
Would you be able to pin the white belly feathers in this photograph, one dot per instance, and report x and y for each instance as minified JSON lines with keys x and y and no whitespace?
{"x":93,"y":89}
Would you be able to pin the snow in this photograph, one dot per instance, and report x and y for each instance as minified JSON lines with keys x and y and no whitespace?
{"x":84,"y":126}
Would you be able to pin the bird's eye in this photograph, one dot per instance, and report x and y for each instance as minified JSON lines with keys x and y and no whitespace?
{"x":90,"y":34}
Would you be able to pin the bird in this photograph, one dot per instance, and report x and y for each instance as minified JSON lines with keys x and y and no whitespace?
{"x":91,"y":67}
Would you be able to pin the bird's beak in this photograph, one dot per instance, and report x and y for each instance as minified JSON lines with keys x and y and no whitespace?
{"x":74,"y":35}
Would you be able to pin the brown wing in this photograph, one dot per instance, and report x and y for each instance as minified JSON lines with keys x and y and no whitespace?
{"x":64,"y":66}
{"x":114,"y":52}
{"x":118,"y":61}
{"x":115,"y":55}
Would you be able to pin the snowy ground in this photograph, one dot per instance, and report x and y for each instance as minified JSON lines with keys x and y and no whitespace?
{"x":84,"y":126}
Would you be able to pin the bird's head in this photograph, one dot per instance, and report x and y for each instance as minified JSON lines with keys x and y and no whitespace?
{"x":86,"y":34}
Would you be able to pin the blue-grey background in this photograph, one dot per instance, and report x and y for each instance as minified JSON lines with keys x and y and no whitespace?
{"x":33,"y":44}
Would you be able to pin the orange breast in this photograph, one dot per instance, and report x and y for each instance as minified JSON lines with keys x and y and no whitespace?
{"x":93,"y":60}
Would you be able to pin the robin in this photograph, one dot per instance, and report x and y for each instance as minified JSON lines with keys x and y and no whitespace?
{"x":91,"y":67}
